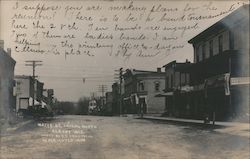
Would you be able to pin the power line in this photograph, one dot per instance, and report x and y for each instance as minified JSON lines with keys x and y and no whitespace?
{"x":102,"y":88}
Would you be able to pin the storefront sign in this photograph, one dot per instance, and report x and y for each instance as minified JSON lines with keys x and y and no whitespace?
{"x":240,"y":80}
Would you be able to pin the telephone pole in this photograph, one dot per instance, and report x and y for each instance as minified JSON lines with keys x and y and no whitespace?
{"x":102,"y":89}
{"x":120,"y":89}
{"x":121,"y":71}
{"x":33,"y":64}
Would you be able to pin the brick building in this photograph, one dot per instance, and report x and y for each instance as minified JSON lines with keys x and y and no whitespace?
{"x":140,"y":88}
{"x":176,"y":87}
{"x":216,"y":85}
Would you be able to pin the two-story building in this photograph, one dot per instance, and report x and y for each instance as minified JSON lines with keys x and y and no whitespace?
{"x":220,"y":73}
{"x":176,"y":87}
{"x":27,"y":91}
{"x":115,"y":99}
{"x":140,"y":88}
{"x":7,"y":101}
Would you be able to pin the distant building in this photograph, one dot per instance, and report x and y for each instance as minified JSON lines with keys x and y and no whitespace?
{"x":7,"y":102}
{"x":220,"y":73}
{"x":107,"y":109}
{"x":48,"y":96}
{"x":25,"y":92}
{"x":140,"y":88}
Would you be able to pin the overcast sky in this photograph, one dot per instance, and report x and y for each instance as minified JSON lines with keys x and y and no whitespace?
{"x":65,"y":75}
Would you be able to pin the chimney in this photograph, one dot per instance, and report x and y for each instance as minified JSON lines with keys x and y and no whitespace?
{"x":9,"y":51}
{"x":1,"y":44}
{"x":158,"y":69}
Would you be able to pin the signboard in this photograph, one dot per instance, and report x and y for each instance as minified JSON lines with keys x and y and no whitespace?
{"x":240,"y":80}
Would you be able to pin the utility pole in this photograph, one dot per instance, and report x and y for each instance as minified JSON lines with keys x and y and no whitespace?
{"x":120,"y":90}
{"x":33,"y":64}
{"x":102,"y":89}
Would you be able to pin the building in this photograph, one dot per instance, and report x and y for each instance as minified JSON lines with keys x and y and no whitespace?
{"x":177,"y":84}
{"x":107,"y":109}
{"x":116,"y":99}
{"x":220,"y":73}
{"x":140,"y":88}
{"x":48,"y":96}
{"x":27,"y":91}
{"x":7,"y":101}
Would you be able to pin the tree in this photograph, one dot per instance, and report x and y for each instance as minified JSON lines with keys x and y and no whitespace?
{"x":83,"y":105}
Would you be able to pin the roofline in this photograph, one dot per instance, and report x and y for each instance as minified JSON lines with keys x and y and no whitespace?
{"x":22,"y":76}
{"x":170,"y":63}
{"x":219,"y":24}
{"x":174,"y":62}
{"x":7,"y":56}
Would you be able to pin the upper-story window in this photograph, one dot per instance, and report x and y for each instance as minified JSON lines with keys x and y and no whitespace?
{"x":211,"y":48}
{"x":157,"y":86}
{"x":167,"y":82}
{"x":220,"y":44}
{"x":197,"y":52}
{"x":203,"y":50}
{"x":231,"y":40}
{"x":197,"y":58}
{"x":141,"y":86}
{"x":172,"y":81}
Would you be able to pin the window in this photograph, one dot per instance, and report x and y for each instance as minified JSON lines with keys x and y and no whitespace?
{"x":231,"y":40}
{"x":197,"y":58}
{"x":220,"y":44}
{"x":172,"y":81}
{"x":196,"y":54}
{"x":141,"y":86}
{"x":203,"y":50}
{"x":157,"y":86}
{"x":211,"y":48}
{"x":167,"y":82}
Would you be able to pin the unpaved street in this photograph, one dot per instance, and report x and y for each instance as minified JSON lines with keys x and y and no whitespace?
{"x":92,"y":137}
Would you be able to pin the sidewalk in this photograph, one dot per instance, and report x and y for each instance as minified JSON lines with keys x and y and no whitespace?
{"x":193,"y":121}
{"x":233,"y":128}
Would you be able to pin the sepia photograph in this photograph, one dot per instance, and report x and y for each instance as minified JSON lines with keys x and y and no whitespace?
{"x":124,"y":79}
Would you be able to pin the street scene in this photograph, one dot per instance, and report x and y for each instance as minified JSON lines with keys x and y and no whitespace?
{"x":124,"y":79}
{"x":127,"y":137}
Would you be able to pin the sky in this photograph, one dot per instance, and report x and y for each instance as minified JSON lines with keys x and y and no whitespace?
{"x":81,"y":19}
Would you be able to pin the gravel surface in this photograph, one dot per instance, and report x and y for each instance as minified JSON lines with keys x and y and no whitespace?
{"x":92,"y":137}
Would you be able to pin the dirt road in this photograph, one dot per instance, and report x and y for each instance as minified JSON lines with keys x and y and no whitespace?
{"x":92,"y":137}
